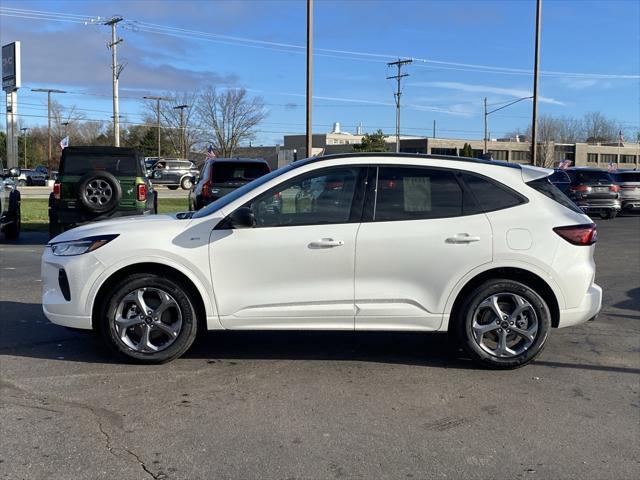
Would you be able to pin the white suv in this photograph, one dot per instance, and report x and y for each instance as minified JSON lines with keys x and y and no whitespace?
{"x":492,"y":252}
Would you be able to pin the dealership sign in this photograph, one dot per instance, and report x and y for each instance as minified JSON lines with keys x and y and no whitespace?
{"x":11,"y":67}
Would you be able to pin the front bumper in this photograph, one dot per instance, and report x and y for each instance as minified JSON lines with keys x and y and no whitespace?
{"x":81,"y":272}
{"x":588,"y":308}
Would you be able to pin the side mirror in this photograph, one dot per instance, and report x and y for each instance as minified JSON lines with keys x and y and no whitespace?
{"x":14,"y":172}
{"x":243,"y":217}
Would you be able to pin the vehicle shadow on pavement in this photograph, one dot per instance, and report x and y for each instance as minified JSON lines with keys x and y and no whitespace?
{"x":631,"y":303}
{"x":28,"y":238}
{"x":27,"y":333}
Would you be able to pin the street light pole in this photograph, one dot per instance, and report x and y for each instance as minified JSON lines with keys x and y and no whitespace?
{"x":534,"y":122}
{"x":182,"y":139}
{"x":157,"y":99}
{"x":24,"y":131}
{"x":486,"y":115}
{"x":309,"y":141}
{"x":48,"y":91}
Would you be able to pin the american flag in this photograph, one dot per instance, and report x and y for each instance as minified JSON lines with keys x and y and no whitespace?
{"x":64,"y":143}
{"x":210,"y":153}
{"x":564,"y":164}
{"x":612,"y":167}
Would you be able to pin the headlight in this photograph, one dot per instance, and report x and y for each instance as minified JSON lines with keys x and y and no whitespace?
{"x":78,"y":247}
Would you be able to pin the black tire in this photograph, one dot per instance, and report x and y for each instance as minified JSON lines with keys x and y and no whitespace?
{"x":185,"y":336}
{"x":464,"y":319}
{"x":172,"y":187}
{"x":12,"y":231}
{"x":55,"y":228}
{"x":92,"y":202}
{"x":612,"y":214}
{"x":155,"y":202}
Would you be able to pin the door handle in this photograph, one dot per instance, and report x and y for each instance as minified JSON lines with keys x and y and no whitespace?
{"x":462,"y":238}
{"x":326,"y":243}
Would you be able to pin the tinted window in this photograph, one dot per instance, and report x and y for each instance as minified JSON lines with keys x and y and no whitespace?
{"x":591,"y":176}
{"x":224,"y":172}
{"x":321,"y":197}
{"x":407,"y":193}
{"x":626,"y":176}
{"x":79,"y":164}
{"x":559,"y":177}
{"x":491,"y":195}
{"x":544,"y":186}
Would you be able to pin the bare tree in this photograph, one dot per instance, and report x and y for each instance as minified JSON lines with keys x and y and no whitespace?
{"x":547,"y":133}
{"x":229,"y":118}
{"x":598,"y":128}
{"x":170,"y":118}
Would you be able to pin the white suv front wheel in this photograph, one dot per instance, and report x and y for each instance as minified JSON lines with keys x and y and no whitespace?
{"x":503,"y":324}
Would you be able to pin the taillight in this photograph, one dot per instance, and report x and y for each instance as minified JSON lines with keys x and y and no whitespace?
{"x":614,"y":188}
{"x":580,"y":188}
{"x":579,"y":234}
{"x":206,"y":189}
{"x":142,"y":192}
{"x":56,"y":191}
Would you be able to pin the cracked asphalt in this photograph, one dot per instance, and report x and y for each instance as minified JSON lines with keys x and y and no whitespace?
{"x":323,"y":405}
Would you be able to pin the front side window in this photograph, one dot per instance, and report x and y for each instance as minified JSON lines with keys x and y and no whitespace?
{"x":413,"y":193}
{"x":321,"y":197}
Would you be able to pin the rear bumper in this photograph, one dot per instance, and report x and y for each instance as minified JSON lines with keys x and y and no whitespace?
{"x":588,"y":308}
{"x":599,"y":205}
{"x":631,"y":203}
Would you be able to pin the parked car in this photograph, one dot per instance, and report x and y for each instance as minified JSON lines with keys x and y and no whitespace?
{"x":31,"y":178}
{"x":594,"y":191}
{"x":10,"y":217}
{"x":43,"y":170}
{"x":489,"y":251}
{"x":629,"y":183}
{"x":172,"y":172}
{"x":98,"y":183}
{"x":221,"y":176}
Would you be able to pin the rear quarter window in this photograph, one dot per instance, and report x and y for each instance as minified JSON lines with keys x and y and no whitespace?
{"x":491,"y":195}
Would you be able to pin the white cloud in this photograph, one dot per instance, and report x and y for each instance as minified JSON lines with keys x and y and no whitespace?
{"x":467,"y":87}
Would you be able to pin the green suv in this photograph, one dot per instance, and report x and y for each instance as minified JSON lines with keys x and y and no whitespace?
{"x":98,"y":183}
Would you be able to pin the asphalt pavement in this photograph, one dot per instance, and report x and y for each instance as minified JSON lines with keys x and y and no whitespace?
{"x":321,"y":405}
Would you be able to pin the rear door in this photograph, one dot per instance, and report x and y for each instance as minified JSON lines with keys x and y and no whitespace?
{"x":421,"y":235}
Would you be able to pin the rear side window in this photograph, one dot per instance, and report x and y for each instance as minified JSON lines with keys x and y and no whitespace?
{"x":225,"y":172}
{"x":491,"y":195}
{"x":408,"y":193}
{"x":545,"y":187}
{"x":79,"y":164}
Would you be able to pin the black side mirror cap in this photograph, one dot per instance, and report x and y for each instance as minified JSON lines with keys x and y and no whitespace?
{"x":242,"y":217}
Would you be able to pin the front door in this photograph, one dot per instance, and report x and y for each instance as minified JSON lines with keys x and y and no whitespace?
{"x":294,"y":268}
{"x":420,"y":236}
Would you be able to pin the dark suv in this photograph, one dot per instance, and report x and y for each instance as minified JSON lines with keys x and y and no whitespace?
{"x":97,"y":183}
{"x":172,"y":172}
{"x":594,"y":191}
{"x":223,"y":175}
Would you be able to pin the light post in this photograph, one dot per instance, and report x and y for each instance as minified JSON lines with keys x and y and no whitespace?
{"x":24,"y":131}
{"x":183,"y":146}
{"x":157,"y":99}
{"x":48,"y":91}
{"x":487,"y":113}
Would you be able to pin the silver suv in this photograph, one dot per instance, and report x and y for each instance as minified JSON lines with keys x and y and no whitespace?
{"x":172,"y":172}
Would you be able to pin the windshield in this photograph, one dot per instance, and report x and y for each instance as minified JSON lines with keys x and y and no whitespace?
{"x":239,"y":192}
{"x":225,"y":172}
{"x":626,"y":176}
{"x":79,"y":164}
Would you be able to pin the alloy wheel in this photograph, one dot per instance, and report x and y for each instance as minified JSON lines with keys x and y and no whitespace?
{"x":99,"y":192}
{"x":504,"y":325}
{"x":148,"y":320}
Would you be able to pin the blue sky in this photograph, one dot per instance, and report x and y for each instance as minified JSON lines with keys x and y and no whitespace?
{"x":464,"y":51}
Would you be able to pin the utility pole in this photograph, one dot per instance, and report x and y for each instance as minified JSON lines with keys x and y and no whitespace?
{"x":115,"y":75}
{"x":484,"y":150}
{"x":534,"y":122}
{"x":24,"y":131}
{"x":183,"y":146}
{"x":309,"y":77}
{"x":157,"y":99}
{"x":399,"y":64}
{"x":434,"y":129}
{"x":49,"y":91}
